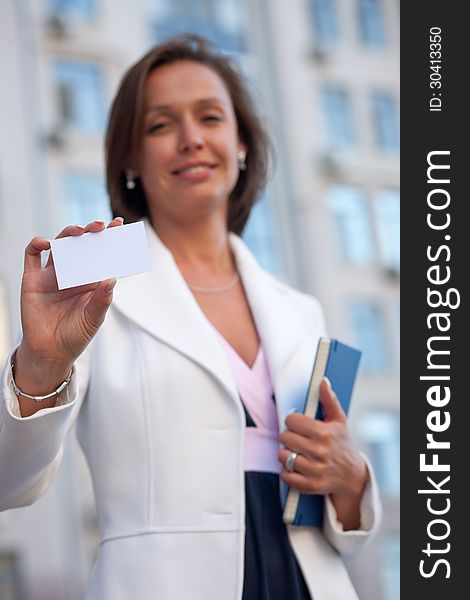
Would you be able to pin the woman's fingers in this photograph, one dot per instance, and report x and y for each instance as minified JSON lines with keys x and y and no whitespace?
{"x":39,"y":244}
{"x":308,"y":476}
{"x":95,"y":226}
{"x":298,"y":443}
{"x":32,"y":253}
{"x":92,"y":227}
{"x":303,"y":464}
{"x":116,"y":222}
{"x":99,"y":303}
{"x":66,"y":232}
{"x":301,"y":483}
{"x":70,"y":230}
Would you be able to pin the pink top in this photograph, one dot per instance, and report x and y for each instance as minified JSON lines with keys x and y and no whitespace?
{"x":256,"y":392}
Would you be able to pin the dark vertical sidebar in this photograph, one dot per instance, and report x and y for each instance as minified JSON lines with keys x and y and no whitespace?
{"x":435,"y":348}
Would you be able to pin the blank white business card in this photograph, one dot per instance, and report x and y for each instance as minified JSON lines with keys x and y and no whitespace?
{"x":91,"y":257}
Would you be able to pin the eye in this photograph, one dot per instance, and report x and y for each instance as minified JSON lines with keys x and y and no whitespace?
{"x":156,"y":127}
{"x":212,"y":118}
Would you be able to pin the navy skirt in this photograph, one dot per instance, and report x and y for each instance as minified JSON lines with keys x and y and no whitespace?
{"x":271,"y":569}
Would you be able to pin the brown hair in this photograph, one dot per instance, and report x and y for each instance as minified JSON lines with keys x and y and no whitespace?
{"x":125,"y":127}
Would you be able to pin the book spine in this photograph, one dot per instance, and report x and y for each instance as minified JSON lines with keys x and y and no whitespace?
{"x":310,"y":409}
{"x":290,"y":508}
{"x":311,"y":405}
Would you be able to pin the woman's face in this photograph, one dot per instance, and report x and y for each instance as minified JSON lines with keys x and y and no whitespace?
{"x":188,"y":157}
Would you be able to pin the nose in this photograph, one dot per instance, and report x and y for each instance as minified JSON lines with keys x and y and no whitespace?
{"x":191,"y":137}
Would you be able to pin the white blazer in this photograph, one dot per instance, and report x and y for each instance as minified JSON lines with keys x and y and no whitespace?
{"x":159,"y":419}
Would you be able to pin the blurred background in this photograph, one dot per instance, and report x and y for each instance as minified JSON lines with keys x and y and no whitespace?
{"x":325,"y":74}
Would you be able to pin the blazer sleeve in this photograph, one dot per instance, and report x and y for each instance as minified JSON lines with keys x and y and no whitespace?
{"x":31,"y":448}
{"x":349,"y":543}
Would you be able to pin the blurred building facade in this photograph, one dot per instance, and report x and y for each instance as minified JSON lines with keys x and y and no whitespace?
{"x":326,"y":76}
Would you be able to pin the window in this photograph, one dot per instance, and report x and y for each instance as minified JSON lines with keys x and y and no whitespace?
{"x":178,"y":16}
{"x":385,"y":121}
{"x":325,"y":20}
{"x":368,"y":332}
{"x":80,"y":95}
{"x":85,"y":199}
{"x":260,"y":237}
{"x":371,"y":24}
{"x":228,"y":25}
{"x":4,"y":334}
{"x":349,"y":208}
{"x":338,"y":116}
{"x":74,"y":9}
{"x":380,"y":431}
{"x":387,"y":215}
{"x":221,"y":21}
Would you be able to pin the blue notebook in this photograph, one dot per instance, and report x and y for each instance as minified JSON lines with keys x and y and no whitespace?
{"x":339,"y":362}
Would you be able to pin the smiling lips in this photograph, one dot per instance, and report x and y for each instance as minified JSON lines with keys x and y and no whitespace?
{"x":194,"y":168}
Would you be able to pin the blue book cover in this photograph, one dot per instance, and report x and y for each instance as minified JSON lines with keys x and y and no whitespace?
{"x":339,"y":362}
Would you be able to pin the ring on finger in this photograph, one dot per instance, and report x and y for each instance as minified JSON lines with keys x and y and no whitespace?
{"x":290,"y":461}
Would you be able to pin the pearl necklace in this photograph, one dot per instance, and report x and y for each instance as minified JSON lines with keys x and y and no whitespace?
{"x":215,"y":290}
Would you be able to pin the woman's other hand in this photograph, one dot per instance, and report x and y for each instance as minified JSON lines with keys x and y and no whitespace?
{"x":57,"y":324}
{"x":327,"y":461}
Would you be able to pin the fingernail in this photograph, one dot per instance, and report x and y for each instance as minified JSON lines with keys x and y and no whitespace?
{"x":328,"y":382}
{"x":119,"y":219}
{"x":111,"y":284}
{"x":99,"y":221}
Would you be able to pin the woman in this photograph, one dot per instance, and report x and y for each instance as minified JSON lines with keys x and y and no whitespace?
{"x":175,"y":393}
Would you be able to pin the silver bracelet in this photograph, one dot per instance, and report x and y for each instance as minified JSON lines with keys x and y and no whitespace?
{"x":56,"y":392}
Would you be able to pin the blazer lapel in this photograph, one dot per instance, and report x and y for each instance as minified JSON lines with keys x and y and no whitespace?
{"x":279,"y":325}
{"x":161,"y":303}
{"x":282,"y":329}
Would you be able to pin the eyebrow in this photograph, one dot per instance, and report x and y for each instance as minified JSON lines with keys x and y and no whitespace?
{"x":158,"y":108}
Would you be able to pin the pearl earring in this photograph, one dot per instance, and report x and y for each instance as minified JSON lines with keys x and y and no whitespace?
{"x":130,"y":183}
{"x":241,"y":157}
